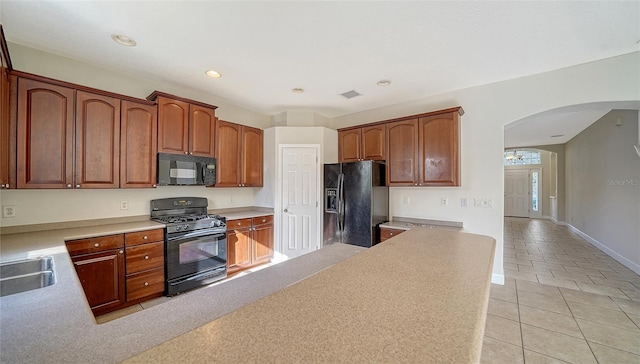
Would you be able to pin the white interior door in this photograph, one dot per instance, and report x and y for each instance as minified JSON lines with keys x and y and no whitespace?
{"x":299,"y":201}
{"x":516,"y":192}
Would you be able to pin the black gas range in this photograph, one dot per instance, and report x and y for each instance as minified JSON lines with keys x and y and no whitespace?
{"x":195,"y":242}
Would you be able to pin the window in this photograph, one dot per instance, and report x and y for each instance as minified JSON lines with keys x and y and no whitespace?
{"x":534,"y":191}
{"x":517,"y":157}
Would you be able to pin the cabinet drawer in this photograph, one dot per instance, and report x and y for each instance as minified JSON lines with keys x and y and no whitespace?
{"x":94,"y":245}
{"x":145,"y":257}
{"x":260,"y":220}
{"x":144,"y":284}
{"x":389,"y":233}
{"x":143,"y":237}
{"x":238,"y":224}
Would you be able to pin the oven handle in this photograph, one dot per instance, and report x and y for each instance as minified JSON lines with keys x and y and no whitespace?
{"x":195,"y":234}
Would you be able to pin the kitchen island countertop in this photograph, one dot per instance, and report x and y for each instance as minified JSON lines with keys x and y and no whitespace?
{"x":419,"y":297}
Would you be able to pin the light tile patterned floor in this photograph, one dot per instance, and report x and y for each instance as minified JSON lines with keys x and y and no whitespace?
{"x":564,"y":301}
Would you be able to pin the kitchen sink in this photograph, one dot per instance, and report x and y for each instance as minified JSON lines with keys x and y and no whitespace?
{"x":26,"y":275}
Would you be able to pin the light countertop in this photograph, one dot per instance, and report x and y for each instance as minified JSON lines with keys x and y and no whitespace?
{"x":419,"y":297}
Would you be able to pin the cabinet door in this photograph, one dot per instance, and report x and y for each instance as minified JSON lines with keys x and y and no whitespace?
{"x":373,"y":143}
{"x":349,"y":145}
{"x":238,"y":249}
{"x":5,"y":127}
{"x":252,"y":163}
{"x":262,"y":244}
{"x":45,"y":135}
{"x":138,"y":138}
{"x":173,"y":126}
{"x":201,"y":131}
{"x":97,"y":162}
{"x":228,"y":139}
{"x":439,"y":149}
{"x":402,"y":153}
{"x":102,"y":278}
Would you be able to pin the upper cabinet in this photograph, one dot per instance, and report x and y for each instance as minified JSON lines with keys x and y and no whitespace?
{"x":70,"y":136}
{"x":419,"y":150}
{"x":366,"y":143}
{"x":184,"y":126}
{"x":240,"y":161}
{"x":440,"y":150}
{"x":138,"y":141}
{"x":7,"y":143}
{"x":45,"y":135}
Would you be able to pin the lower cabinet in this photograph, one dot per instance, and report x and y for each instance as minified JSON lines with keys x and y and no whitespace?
{"x":119,"y":270}
{"x":249,"y":242}
{"x":386,"y":233}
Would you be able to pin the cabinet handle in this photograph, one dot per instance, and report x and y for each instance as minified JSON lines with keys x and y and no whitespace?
{"x":146,"y":284}
{"x":146,"y":257}
{"x":96,"y":245}
{"x":68,"y":185}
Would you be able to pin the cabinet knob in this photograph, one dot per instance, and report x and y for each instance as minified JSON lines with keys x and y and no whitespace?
{"x":154,"y":186}
{"x":146,"y":284}
{"x":68,"y":185}
{"x":390,"y":233}
{"x":121,"y":251}
{"x":264,"y":220}
{"x":146,"y":257}
{"x":145,"y":237}
{"x":239,"y":223}
{"x":6,"y":186}
{"x":77,"y":186}
{"x":186,"y":152}
{"x":96,"y":245}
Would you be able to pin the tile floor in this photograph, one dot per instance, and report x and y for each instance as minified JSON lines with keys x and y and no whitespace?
{"x":564,"y":301}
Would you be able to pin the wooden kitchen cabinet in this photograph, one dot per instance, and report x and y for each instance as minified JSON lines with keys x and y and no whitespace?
{"x":97,"y":141}
{"x":387,"y":233}
{"x":440,"y":150}
{"x":424,"y":151}
{"x":249,"y":242}
{"x":366,"y":143}
{"x":239,"y":151}
{"x":185,"y":126}
{"x":144,"y":265}
{"x":100,"y":265}
{"x":7,"y":138}
{"x":119,"y":270}
{"x":45,"y":127}
{"x":138,"y":145}
{"x":402,"y":153}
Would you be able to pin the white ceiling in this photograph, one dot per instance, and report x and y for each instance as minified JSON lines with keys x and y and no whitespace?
{"x":264,"y":49}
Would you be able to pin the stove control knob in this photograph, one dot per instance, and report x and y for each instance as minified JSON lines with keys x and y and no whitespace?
{"x":185,"y":227}
{"x":178,"y":227}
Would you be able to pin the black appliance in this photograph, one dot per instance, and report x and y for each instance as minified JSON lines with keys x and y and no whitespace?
{"x":195,"y":243}
{"x":185,"y":169}
{"x":356,"y":202}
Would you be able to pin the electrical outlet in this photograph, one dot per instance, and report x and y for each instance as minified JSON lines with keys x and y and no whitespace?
{"x":444,"y":201}
{"x":231,"y":199}
{"x":406,"y":200}
{"x":9,"y":211}
{"x":124,"y":205}
{"x":463,"y":202}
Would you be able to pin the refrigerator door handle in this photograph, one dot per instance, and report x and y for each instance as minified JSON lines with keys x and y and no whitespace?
{"x":341,"y":202}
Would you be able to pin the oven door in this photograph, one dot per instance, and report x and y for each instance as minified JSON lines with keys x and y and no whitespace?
{"x":188,"y":254}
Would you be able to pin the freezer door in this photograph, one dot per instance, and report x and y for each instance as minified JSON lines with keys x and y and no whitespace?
{"x":358,"y":206}
{"x":331,"y":231}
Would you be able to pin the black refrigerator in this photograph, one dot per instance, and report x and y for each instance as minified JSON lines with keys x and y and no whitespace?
{"x":356,"y":201}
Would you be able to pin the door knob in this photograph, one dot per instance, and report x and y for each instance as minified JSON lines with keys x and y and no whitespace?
{"x":285,"y":210}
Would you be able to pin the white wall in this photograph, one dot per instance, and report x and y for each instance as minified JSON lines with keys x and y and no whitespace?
{"x":487,"y":109}
{"x":603,"y":185}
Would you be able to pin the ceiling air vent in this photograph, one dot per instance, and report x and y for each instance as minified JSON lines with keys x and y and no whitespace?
{"x":350,"y":94}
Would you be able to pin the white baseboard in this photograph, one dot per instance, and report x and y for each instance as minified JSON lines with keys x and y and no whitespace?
{"x":497,"y":279}
{"x":557,"y":222}
{"x":622,"y":260}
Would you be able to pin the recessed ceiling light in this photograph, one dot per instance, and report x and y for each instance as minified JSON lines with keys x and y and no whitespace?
{"x":297,"y":90}
{"x":123,"y":39}
{"x":213,"y":74}
{"x":383,"y":83}
{"x":557,"y":135}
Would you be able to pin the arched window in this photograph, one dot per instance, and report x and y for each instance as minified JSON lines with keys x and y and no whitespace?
{"x":516,"y":157}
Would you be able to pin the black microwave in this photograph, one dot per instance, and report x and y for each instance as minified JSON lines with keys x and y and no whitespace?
{"x":185,"y":170}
